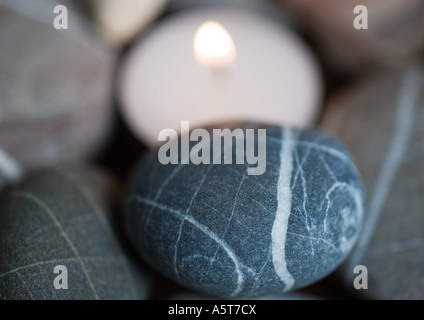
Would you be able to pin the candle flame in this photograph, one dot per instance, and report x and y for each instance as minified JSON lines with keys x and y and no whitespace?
{"x":213,"y":45}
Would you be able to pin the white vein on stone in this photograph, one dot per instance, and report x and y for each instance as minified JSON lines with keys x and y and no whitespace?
{"x":258,"y":274}
{"x":232,"y":211}
{"x":9,"y":168}
{"x":327,"y":167}
{"x":404,"y":119}
{"x":180,"y":230}
{"x":62,"y":232}
{"x":46,"y":281}
{"x":262,"y":206}
{"x":205,"y":230}
{"x":281,"y":222}
{"x":329,"y":150}
{"x":299,"y":164}
{"x":101,"y":216}
{"x":193,"y":257}
{"x":314,"y":239}
{"x":39,"y":263}
{"x":332,"y":151}
{"x":194,"y":197}
{"x":89,"y":198}
{"x":164,"y":184}
{"x":305,"y":198}
{"x":25,"y":285}
{"x":354,"y":192}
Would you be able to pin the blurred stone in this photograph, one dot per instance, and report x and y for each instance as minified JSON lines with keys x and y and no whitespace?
{"x":10,"y":171}
{"x":121,"y":20}
{"x":395,"y":31}
{"x":382,"y":122}
{"x":55,"y":86}
{"x":62,"y":216}
{"x":176,"y":5}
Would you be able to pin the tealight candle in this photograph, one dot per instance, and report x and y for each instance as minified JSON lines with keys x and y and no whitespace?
{"x":217,"y":64}
{"x":213,"y":45}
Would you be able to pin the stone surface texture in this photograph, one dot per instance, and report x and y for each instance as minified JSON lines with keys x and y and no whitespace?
{"x":395,"y":31}
{"x":381,"y":119}
{"x":55,"y":88}
{"x":221,"y":232}
{"x":62,"y":216}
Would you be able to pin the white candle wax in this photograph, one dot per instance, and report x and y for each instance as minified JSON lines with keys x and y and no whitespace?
{"x":270,"y":77}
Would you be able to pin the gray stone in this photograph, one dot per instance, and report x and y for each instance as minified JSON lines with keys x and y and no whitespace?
{"x":269,"y":8}
{"x":219,"y":231}
{"x":184,"y":4}
{"x":62,"y":216}
{"x":55,"y":88}
{"x":395,"y":31}
{"x":285,"y":296}
{"x":381,"y":119}
{"x":175,"y":5}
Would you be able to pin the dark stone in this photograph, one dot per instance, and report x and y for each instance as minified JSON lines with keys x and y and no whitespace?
{"x":175,"y":5}
{"x":55,"y":87}
{"x":285,"y":296}
{"x":381,"y":119}
{"x":62,"y":216}
{"x":219,"y":231}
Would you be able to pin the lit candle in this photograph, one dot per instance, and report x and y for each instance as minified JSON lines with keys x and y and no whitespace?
{"x":213,"y":45}
{"x":214,"y":65}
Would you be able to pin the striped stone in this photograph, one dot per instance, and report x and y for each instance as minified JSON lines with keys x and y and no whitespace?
{"x":217,"y":230}
{"x":382,"y":120}
{"x":63,"y":217}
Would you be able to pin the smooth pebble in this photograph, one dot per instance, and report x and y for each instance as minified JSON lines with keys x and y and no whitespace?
{"x":55,"y":88}
{"x":63,"y":217}
{"x":395,"y":31}
{"x":219,"y":231}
